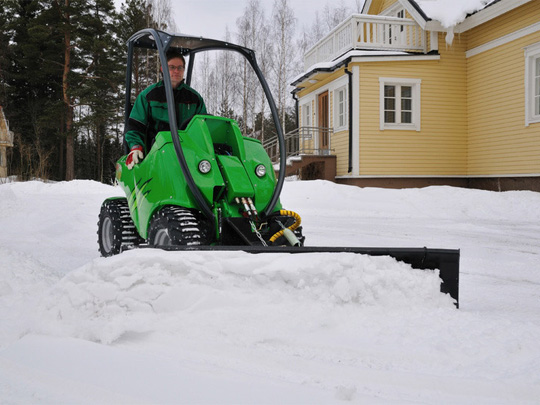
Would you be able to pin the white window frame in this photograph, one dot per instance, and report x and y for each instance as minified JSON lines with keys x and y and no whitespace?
{"x":307,"y":114}
{"x":343,"y":115}
{"x":306,"y":108}
{"x":532,"y":90}
{"x":398,"y":82}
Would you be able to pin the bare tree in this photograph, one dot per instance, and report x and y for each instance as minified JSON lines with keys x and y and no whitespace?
{"x":162,"y":18}
{"x":226,"y":82}
{"x":163,"y":14}
{"x":283,"y":26}
{"x":249,"y":34}
{"x":205,"y":80}
{"x":264,"y":60}
{"x":332,"y":15}
{"x":309,"y":37}
{"x":335,"y":14}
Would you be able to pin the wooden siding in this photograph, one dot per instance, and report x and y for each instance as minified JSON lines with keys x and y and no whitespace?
{"x":508,"y":23}
{"x":375,"y":7}
{"x":440,"y":148}
{"x":499,"y":141}
{"x":340,"y":144}
{"x":381,"y":5}
{"x":3,"y":161}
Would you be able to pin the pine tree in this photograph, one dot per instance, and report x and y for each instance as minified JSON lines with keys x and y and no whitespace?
{"x":134,"y":17}
{"x":100,"y":77}
{"x":32,"y":84}
{"x":5,"y":16}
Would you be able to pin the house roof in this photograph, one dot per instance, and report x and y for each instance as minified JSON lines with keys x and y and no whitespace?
{"x":358,"y":55}
{"x":444,"y":15}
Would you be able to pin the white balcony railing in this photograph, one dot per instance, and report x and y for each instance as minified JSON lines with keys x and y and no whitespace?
{"x":362,"y":31}
{"x":302,"y":141}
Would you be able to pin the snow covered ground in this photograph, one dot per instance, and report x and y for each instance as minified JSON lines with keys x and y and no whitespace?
{"x":158,"y":327}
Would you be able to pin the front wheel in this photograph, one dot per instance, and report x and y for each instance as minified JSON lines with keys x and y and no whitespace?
{"x":175,"y":226}
{"x":116,"y":230}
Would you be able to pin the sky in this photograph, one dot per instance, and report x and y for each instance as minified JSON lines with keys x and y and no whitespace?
{"x":209,"y":18}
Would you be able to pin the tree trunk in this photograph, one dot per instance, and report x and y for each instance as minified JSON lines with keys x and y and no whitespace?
{"x":99,"y":153}
{"x":245,"y":100}
{"x":70,"y":163}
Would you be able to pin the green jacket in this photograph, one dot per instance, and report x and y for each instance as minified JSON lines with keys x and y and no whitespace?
{"x":150,"y":115}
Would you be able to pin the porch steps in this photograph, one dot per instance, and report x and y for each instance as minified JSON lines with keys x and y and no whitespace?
{"x":311,"y":167}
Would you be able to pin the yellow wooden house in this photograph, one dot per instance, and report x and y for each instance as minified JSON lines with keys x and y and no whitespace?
{"x":402,"y":96}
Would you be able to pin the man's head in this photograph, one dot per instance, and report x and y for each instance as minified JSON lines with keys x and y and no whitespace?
{"x":176,"y":65}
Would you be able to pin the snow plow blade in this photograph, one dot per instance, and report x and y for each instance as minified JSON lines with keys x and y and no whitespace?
{"x":445,"y":260}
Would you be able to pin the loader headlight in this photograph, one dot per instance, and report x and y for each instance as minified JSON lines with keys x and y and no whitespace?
{"x":260,"y":170}
{"x":205,"y":166}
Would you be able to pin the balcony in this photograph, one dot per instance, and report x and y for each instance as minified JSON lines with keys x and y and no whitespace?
{"x":362,"y":31}
{"x":301,"y":141}
{"x":308,"y":153}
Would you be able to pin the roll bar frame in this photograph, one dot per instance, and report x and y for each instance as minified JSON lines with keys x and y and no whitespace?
{"x":161,"y":41}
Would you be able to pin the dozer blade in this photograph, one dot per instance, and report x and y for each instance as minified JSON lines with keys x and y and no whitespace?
{"x":445,"y":260}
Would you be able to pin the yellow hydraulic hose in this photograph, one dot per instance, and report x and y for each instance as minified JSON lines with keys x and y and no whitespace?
{"x":295,"y":225}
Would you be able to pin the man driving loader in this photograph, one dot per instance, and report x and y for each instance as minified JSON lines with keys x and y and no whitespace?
{"x":150,"y":115}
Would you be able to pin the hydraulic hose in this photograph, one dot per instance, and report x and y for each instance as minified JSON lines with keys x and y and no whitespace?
{"x":295,"y":225}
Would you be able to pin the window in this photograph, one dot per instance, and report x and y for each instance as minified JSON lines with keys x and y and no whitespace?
{"x":306,"y":115}
{"x":399,"y":103}
{"x":401,"y":14}
{"x":340,"y":109}
{"x":306,"y":121}
{"x":532,"y":84}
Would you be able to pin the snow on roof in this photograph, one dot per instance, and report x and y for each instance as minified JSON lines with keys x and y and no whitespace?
{"x":451,"y":12}
{"x":329,"y":66}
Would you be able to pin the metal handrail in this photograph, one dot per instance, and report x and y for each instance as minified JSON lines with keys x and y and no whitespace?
{"x":301,"y":141}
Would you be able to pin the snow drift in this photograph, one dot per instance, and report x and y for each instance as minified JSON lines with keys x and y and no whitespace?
{"x":149,"y":326}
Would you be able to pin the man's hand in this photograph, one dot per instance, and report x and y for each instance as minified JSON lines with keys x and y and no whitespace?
{"x":135,"y":156}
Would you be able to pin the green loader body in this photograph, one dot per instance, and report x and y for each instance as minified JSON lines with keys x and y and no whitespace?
{"x":158,"y":181}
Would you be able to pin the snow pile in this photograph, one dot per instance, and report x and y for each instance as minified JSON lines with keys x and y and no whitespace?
{"x":22,"y":279}
{"x":149,"y":326}
{"x":143,"y":291}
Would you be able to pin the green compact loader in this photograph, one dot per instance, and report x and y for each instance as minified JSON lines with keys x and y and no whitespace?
{"x":205,"y":186}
